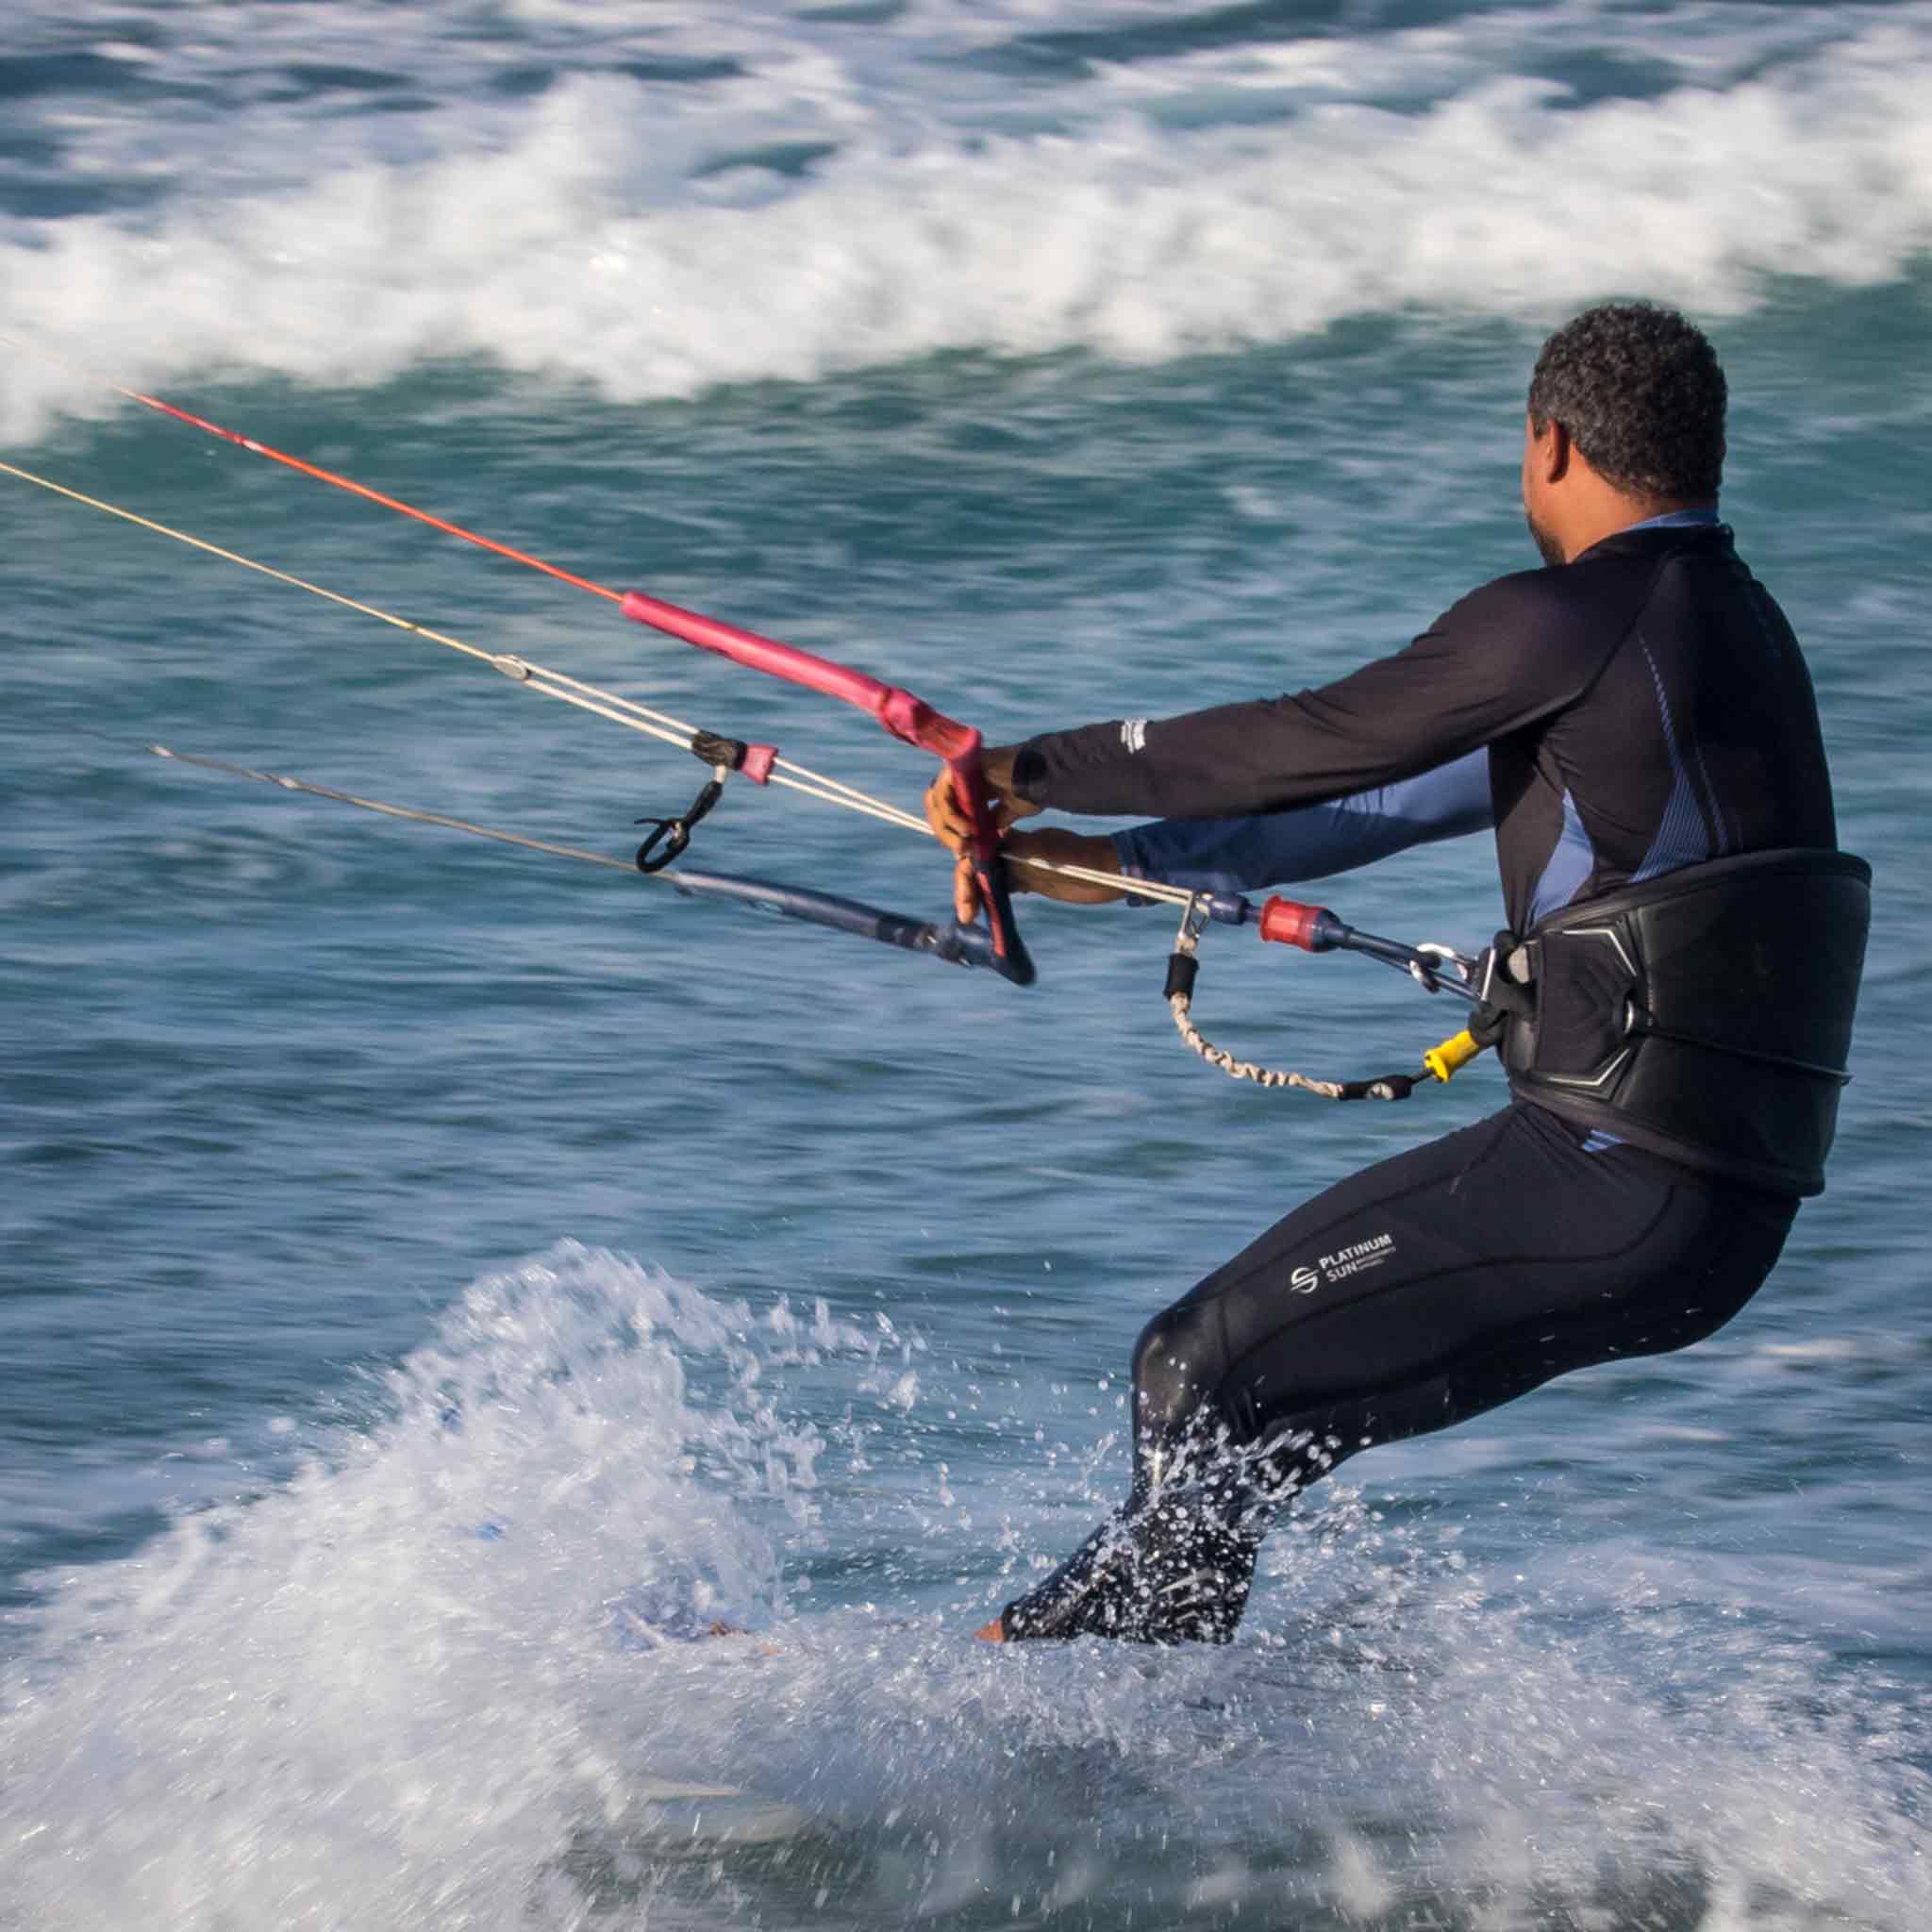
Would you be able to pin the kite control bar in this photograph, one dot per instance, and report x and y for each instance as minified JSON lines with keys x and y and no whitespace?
{"x":904,"y":716}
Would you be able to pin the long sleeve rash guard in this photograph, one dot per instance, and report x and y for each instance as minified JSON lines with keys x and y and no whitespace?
{"x":1642,"y":708}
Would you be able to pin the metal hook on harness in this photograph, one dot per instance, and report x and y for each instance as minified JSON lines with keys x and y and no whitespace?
{"x":1435,"y":966}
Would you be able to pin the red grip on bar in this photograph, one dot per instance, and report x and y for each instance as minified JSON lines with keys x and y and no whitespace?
{"x":902,"y":714}
{"x":1292,"y":923}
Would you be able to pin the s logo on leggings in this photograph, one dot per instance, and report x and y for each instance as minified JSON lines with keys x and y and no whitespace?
{"x":1356,"y":1259}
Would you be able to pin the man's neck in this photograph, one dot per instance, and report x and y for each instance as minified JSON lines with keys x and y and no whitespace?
{"x":1692,"y":517}
{"x":1620,"y":515}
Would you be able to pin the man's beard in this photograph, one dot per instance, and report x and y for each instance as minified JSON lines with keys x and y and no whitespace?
{"x":1551,"y":551}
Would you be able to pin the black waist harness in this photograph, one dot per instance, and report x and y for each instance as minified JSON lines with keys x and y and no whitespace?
{"x":1704,"y":1016}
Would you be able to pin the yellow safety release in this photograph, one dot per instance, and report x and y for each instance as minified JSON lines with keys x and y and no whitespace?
{"x":1455,"y":1052}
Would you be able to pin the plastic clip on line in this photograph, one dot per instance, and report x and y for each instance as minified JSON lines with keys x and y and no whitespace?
{"x":1315,"y":929}
{"x":669,"y":837}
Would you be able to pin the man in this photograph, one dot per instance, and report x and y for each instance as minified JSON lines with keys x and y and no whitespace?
{"x":1672,"y":997}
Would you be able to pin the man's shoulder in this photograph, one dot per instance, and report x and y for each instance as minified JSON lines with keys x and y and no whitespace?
{"x":1526,"y":599}
{"x":1602,"y":585}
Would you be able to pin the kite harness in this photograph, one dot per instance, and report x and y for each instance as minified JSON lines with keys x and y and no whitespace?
{"x":1704,"y":1015}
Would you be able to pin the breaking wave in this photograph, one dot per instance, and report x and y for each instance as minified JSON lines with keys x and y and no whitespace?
{"x":587,"y":236}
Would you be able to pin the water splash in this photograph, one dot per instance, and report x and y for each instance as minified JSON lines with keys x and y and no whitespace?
{"x":446,"y":1673}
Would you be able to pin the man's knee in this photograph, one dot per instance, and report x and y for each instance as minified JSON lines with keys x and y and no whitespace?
{"x":1178,"y":1364}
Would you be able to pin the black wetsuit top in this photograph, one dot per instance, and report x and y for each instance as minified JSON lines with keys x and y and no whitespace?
{"x":1645,"y":708}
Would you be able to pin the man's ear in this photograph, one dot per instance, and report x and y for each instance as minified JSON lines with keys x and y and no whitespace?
{"x":1552,"y":450}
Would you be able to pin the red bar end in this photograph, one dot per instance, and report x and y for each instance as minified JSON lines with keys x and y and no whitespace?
{"x":1292,"y":923}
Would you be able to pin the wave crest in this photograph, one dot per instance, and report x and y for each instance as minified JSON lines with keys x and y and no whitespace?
{"x":569,"y":253}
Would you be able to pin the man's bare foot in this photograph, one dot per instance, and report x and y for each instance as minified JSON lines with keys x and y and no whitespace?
{"x":994,"y":1632}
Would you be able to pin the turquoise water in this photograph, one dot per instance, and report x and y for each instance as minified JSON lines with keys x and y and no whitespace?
{"x":426,"y":1264}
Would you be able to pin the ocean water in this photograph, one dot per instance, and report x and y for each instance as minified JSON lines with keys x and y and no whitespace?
{"x":435,"y":1278}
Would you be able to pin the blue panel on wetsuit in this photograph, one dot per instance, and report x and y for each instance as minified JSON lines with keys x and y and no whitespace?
{"x":1312,"y":842}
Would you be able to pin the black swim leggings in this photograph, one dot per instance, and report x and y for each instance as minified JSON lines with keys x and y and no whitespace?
{"x":1412,"y":1295}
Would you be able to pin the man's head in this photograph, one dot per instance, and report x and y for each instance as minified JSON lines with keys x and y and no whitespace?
{"x":1634,"y":392}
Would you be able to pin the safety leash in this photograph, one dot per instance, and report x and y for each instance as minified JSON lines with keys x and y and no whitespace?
{"x":1315,"y":929}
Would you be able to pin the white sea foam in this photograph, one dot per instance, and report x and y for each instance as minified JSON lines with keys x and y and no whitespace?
{"x":373,"y":1697}
{"x":593,"y":233}
{"x":427,"y":1681}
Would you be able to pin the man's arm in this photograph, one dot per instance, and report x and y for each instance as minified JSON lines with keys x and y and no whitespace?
{"x":1275,"y":848}
{"x":1503,"y":658}
{"x":1311,"y":842}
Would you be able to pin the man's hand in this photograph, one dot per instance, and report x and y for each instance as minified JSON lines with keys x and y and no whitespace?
{"x":946,"y":817}
{"x":955,"y":831}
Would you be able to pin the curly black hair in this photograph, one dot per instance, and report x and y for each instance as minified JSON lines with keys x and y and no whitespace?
{"x":1639,"y":391}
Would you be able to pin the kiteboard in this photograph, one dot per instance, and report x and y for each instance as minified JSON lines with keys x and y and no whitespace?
{"x":702,"y":1819}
